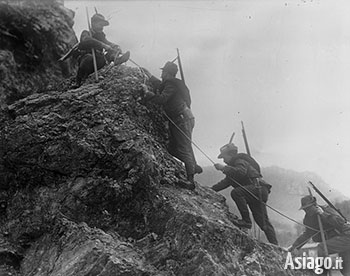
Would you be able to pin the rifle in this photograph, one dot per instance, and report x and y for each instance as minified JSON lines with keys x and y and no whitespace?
{"x":257,"y":183}
{"x":70,"y":52}
{"x":323,"y":238}
{"x":180,"y":65}
{"x":245,"y":139}
{"x":233,"y":134}
{"x":326,"y":200}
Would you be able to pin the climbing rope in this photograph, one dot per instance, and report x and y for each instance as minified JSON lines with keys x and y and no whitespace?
{"x":235,"y":181}
{"x":232,"y":179}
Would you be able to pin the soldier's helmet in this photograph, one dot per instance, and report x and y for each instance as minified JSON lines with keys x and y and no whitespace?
{"x":97,"y":17}
{"x":228,"y":148}
{"x":307,"y":201}
{"x":170,"y":67}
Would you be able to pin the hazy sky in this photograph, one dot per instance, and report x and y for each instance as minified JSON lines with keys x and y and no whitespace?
{"x":280,"y":66}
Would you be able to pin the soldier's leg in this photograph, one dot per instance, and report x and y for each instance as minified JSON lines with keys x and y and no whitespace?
{"x":197,"y":169}
{"x":338,"y":244}
{"x":181,"y":146}
{"x":345,"y":256}
{"x":259,"y":212}
{"x":86,"y":66}
{"x":82,"y":74}
{"x":173,"y":140}
{"x":239,"y":195}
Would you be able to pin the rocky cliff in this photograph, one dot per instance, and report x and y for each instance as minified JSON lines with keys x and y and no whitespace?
{"x":87,"y":187}
{"x":33,"y":36}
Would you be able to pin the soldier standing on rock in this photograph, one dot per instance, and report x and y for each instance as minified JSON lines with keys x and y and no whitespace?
{"x":243,"y":174}
{"x":174,"y":96}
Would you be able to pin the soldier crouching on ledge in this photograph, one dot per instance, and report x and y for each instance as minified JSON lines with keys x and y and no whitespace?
{"x":96,"y":39}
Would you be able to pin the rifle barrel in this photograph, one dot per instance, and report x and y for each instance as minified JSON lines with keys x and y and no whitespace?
{"x":92,"y":50}
{"x":245,"y":139}
{"x":321,"y":229}
{"x":327,"y":200}
{"x":180,"y":65}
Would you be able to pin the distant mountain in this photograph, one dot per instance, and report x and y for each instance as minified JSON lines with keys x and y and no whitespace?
{"x":287,"y":189}
{"x":289,"y":186}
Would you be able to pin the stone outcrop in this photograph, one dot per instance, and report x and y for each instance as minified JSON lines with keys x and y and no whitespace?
{"x":90,"y":188}
{"x":33,"y":36}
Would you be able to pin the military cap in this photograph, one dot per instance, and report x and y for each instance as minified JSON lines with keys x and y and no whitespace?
{"x":170,"y":67}
{"x":307,"y":201}
{"x":227,"y":149}
{"x":97,"y":17}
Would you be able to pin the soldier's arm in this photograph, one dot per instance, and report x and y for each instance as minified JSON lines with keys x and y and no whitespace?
{"x":111,"y":44}
{"x":87,"y":42}
{"x":155,"y":82}
{"x":221,"y":185}
{"x":303,"y":238}
{"x":168,"y":91}
{"x":85,"y":35}
{"x":240,"y":168}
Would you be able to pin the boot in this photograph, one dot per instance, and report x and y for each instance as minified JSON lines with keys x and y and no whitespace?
{"x":121,"y":59}
{"x":186,"y":184}
{"x":198,"y":169}
{"x":242,"y":224}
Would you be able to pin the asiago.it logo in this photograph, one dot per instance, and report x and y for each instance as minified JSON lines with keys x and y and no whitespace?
{"x":317,"y":264}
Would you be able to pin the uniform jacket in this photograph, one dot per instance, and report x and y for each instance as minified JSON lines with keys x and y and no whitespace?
{"x":174,"y":95}
{"x":239,"y":169}
{"x":93,"y":41}
{"x":333,"y":225}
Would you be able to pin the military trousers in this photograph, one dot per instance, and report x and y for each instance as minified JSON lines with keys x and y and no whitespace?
{"x":341,"y":245}
{"x":86,"y":66}
{"x":243,"y":198}
{"x":180,"y":144}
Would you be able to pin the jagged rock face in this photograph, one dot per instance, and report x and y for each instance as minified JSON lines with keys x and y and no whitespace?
{"x":87,"y":187}
{"x":91,"y":190}
{"x":33,"y":36}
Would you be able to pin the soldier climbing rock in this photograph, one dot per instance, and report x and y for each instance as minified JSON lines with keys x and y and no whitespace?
{"x":336,"y":231}
{"x":243,"y":174}
{"x":174,"y":96}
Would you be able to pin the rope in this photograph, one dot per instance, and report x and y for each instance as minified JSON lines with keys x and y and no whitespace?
{"x":235,"y":181}
{"x":208,"y":157}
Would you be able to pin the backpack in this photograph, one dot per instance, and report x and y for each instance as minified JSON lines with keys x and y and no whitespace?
{"x":250,"y":160}
{"x":256,"y":166}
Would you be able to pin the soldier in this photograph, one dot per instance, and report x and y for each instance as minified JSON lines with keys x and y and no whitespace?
{"x":243,"y":174}
{"x":96,"y":39}
{"x":336,"y":230}
{"x":174,"y":96}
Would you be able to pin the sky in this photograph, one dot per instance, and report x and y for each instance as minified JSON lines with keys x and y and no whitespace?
{"x":281,"y":67}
